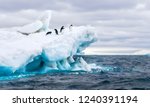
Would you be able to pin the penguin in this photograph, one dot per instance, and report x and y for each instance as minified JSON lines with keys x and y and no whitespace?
{"x":50,"y":32}
{"x":70,"y":27}
{"x":61,"y":29}
{"x":56,"y":31}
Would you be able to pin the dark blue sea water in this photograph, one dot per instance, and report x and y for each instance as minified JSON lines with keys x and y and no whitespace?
{"x":121,"y":72}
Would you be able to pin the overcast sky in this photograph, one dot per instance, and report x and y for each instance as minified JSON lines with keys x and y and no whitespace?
{"x":120,"y":23}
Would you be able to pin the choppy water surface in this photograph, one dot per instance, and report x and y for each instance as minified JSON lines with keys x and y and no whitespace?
{"x":124,"y":72}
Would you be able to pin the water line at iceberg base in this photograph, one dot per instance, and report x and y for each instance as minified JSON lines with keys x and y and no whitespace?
{"x":70,"y":65}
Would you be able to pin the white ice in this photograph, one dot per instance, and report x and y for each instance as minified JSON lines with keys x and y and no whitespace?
{"x":17,"y":50}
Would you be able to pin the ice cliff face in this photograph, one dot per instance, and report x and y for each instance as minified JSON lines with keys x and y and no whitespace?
{"x":28,"y":48}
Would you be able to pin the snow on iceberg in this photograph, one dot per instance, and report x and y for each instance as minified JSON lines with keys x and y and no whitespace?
{"x":28,"y":48}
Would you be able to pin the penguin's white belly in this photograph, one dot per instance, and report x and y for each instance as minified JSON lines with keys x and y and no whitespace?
{"x":31,"y":28}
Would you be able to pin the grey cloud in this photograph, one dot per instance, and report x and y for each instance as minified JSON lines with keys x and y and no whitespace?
{"x":17,"y":5}
{"x":77,"y":5}
{"x":119,"y":23}
{"x":89,"y":5}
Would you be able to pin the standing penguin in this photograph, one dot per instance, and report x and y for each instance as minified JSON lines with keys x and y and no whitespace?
{"x":70,"y":27}
{"x":56,"y":31}
{"x":61,"y":29}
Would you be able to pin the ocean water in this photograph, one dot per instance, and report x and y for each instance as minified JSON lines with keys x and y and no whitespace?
{"x":117,"y":73}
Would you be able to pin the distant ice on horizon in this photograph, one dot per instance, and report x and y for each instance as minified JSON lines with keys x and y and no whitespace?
{"x":115,"y":51}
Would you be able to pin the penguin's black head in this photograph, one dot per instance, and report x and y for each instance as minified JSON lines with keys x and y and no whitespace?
{"x":62,"y":27}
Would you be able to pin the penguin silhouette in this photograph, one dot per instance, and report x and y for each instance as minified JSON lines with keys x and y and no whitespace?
{"x":70,"y":27}
{"x":61,"y":29}
{"x":50,"y":32}
{"x":56,"y":31}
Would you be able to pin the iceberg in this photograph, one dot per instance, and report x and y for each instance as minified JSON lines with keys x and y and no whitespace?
{"x":143,"y":52}
{"x":28,"y":48}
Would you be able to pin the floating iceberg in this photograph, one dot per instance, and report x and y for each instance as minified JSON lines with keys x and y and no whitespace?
{"x":143,"y":52}
{"x":29,"y":49}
